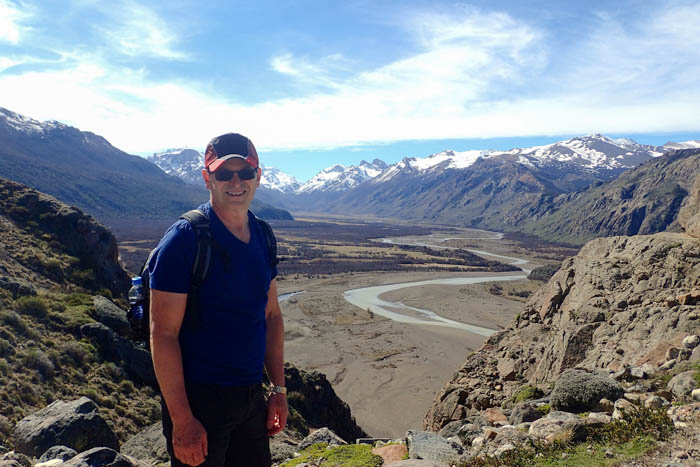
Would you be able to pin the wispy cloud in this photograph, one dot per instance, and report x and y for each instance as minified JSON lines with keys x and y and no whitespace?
{"x":139,"y":31}
{"x":326,"y":72}
{"x":473,"y":73}
{"x":12,"y":16}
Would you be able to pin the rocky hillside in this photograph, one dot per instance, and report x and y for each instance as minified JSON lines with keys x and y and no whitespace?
{"x":642,"y":200}
{"x":621,"y":303}
{"x":47,"y":243}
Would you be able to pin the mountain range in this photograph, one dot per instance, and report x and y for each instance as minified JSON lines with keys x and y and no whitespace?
{"x":617,"y":186}
{"x":85,"y":170}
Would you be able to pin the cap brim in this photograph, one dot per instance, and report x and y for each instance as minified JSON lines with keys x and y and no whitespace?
{"x":219,"y":162}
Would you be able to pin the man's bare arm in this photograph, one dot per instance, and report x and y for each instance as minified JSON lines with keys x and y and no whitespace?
{"x":167,"y":313}
{"x":274,"y":361}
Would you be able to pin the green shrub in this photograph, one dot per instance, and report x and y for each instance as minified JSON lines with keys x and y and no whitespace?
{"x":38,"y":360}
{"x":6,"y":348}
{"x":105,"y":293}
{"x":84,"y":278}
{"x":33,"y":306}
{"x":53,"y":268}
{"x":14,"y":320}
{"x":544,"y":408}
{"x":76,"y":351}
{"x":526,"y":393}
{"x":78,"y":298}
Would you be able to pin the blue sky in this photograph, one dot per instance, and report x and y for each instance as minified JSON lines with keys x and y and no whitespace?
{"x":315,"y":83}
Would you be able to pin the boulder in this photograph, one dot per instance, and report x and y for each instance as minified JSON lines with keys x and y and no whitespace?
{"x":391,"y":453}
{"x":75,"y":424}
{"x":119,"y":349}
{"x":58,"y":452}
{"x":111,"y":315}
{"x":98,"y":457}
{"x":524,"y":412}
{"x":555,"y":425}
{"x":468,"y":433}
{"x":148,"y":445}
{"x":682,"y":384}
{"x":695,"y":356}
{"x":452,"y":428}
{"x":322,"y":435}
{"x":17,"y":287}
{"x":691,"y":342}
{"x":431,"y":446}
{"x":580,"y":391}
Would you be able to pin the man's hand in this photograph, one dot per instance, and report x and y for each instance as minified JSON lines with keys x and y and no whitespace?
{"x":277,"y":412}
{"x":190,"y":442}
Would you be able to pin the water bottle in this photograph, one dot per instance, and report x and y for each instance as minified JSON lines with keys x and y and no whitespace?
{"x":136,"y":291}
{"x":136,"y":297}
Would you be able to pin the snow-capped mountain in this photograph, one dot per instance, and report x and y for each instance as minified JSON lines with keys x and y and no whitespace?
{"x":692,"y":144}
{"x":596,"y":153}
{"x":275,"y":179}
{"x":27,"y":125}
{"x":341,"y":178}
{"x":188,"y":164}
{"x":181,"y":162}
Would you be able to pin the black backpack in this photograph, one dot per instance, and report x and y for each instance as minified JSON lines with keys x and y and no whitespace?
{"x":140,"y":326}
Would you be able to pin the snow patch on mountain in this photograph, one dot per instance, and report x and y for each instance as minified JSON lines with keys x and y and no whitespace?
{"x":341,"y":178}
{"x":275,"y":179}
{"x":180,"y":162}
{"x":692,"y":144}
{"x":27,"y":125}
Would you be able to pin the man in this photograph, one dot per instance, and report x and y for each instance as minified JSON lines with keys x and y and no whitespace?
{"x":210,"y":375}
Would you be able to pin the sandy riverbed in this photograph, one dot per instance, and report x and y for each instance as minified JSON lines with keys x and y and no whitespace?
{"x":388,"y":372}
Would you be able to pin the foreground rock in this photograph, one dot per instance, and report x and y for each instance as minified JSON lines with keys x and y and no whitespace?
{"x":620,"y":304}
{"x":148,"y":445}
{"x":74,"y":424}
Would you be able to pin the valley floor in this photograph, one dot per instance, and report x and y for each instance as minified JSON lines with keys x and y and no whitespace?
{"x":389,"y":372}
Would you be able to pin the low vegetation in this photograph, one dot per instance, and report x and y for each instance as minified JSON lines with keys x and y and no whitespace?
{"x":44,"y":358}
{"x":353,"y":455}
{"x":611,"y":444}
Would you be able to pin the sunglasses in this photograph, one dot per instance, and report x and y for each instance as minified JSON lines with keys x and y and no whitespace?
{"x":224,"y":175}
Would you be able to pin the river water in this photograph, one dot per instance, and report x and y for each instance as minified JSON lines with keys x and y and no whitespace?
{"x":367,"y":298}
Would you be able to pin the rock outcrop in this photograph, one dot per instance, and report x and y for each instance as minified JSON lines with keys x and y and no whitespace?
{"x":621,"y":302}
{"x":74,"y":424}
{"x":313,"y":397}
{"x":72,"y":233}
{"x":689,"y":215}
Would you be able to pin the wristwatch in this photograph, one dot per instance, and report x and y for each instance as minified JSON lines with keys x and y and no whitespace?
{"x":278,"y":390}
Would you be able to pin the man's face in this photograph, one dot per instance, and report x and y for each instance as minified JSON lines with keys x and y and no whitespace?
{"x":234,"y":193}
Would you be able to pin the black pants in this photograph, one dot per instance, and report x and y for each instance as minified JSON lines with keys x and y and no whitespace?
{"x":235,"y":420}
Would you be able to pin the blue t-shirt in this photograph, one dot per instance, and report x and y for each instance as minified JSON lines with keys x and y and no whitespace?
{"x":228,"y":348}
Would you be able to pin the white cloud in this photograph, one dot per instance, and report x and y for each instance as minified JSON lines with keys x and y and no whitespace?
{"x":139,"y":31}
{"x":476,"y":74}
{"x":12,"y":15}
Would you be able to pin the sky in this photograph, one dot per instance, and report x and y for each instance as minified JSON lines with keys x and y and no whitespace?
{"x":315,"y":83}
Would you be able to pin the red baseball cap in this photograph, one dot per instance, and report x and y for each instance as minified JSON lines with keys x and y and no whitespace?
{"x":229,"y":146}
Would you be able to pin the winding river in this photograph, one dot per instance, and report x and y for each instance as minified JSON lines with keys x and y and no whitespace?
{"x":368,"y":297}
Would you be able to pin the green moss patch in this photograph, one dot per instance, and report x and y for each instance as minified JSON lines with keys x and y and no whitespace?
{"x":351,"y":455}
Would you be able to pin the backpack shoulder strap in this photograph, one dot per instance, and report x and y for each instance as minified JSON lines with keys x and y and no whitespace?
{"x":200,"y":266}
{"x":270,"y":239}
{"x":202,"y":233}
